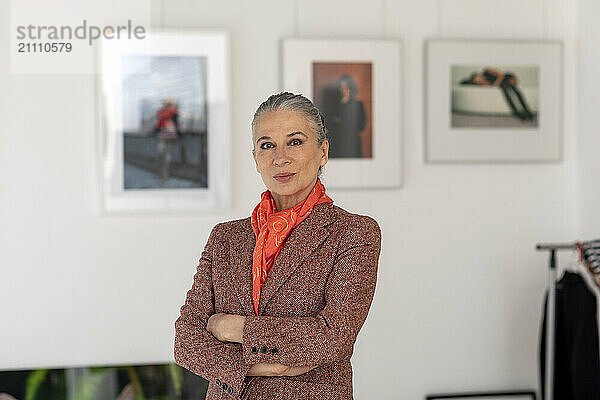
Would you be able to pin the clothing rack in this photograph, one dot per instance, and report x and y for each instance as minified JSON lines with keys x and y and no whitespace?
{"x":553,"y":248}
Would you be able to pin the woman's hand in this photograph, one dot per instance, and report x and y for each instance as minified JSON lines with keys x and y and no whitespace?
{"x":226,"y":327}
{"x":275,"y":369}
{"x":266,"y":369}
{"x":294,"y":371}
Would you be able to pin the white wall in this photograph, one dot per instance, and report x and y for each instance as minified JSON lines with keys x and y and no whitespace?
{"x":460,"y":289}
{"x":588,"y":119}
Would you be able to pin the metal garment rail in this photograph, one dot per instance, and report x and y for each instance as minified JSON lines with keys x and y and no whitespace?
{"x":550,"y":308}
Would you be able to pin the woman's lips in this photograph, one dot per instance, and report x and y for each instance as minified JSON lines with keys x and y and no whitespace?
{"x":283,"y":178}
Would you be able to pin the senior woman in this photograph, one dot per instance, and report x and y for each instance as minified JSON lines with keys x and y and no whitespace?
{"x":279,"y":297}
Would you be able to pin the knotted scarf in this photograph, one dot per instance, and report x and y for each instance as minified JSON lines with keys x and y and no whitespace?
{"x":272,"y":227}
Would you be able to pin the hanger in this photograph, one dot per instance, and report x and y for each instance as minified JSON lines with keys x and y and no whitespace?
{"x":570,"y":267}
{"x":574,"y":263}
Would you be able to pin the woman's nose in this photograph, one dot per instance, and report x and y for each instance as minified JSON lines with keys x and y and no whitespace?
{"x":280,"y":156}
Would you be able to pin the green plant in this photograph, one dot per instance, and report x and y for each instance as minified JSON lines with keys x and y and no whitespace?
{"x":34,"y":380}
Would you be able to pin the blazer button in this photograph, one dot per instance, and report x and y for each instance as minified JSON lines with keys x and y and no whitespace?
{"x":263,"y":349}
{"x":224,"y":386}
{"x":274,"y":350}
{"x":230,"y":390}
{"x":254,"y":349}
{"x":218,"y":381}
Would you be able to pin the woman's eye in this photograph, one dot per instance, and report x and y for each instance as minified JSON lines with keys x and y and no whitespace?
{"x":293,"y":142}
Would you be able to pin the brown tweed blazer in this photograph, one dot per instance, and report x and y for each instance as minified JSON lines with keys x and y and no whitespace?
{"x":312,"y":305}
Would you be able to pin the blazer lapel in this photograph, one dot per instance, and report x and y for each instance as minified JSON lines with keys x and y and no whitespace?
{"x":241,"y":249}
{"x":306,"y":237}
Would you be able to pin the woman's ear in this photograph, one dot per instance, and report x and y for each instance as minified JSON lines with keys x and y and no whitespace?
{"x":255,"y":162}
{"x":325,"y":152}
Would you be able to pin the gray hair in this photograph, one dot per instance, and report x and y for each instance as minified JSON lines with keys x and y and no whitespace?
{"x":295,"y":102}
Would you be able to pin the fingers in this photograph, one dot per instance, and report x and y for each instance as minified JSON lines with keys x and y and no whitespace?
{"x":268,"y":369}
{"x":275,"y":369}
{"x":295,"y":371}
{"x":280,"y":369}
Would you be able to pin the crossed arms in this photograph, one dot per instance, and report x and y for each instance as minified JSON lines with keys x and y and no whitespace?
{"x":272,"y":346}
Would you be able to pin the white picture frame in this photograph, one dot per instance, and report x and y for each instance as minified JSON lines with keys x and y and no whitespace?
{"x":311,"y":65}
{"x":466,"y":123}
{"x":203,"y":183}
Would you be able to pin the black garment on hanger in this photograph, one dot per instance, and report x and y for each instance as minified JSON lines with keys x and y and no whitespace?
{"x":576,"y":356}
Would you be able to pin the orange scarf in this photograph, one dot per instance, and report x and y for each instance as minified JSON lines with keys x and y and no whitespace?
{"x":272,"y":227}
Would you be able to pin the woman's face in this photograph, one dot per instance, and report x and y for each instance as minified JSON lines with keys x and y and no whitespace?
{"x":284,"y":142}
{"x":344,"y":90}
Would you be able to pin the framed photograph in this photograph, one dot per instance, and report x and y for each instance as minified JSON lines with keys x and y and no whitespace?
{"x":165,"y":135}
{"x":356,"y":84}
{"x":493,"y":100}
{"x":512,"y":395}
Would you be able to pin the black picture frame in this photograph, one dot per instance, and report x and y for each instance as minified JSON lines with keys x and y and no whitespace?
{"x":494,"y":395}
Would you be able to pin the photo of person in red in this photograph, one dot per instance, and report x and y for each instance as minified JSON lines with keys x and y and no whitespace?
{"x":168,"y":133}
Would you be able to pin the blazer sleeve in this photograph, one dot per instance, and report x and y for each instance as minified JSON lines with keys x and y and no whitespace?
{"x":329,"y":336}
{"x":196,"y":349}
